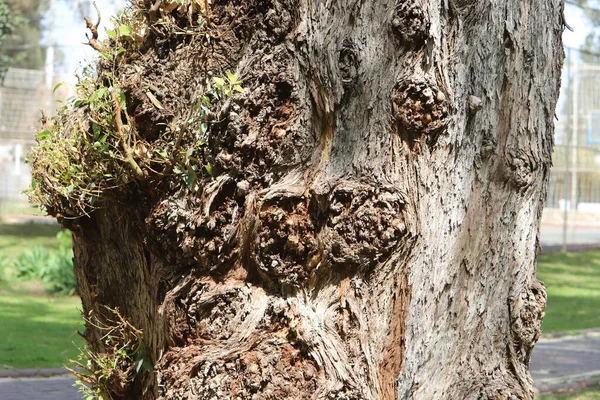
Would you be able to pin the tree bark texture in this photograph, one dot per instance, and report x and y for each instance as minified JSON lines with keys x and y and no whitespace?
{"x":371,"y":224}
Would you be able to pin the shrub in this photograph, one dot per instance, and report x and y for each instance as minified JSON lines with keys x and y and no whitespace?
{"x":60,"y":276}
{"x":32,"y":264}
{"x":54,"y":268}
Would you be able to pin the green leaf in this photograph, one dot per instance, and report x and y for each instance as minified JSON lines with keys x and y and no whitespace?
{"x":112,"y":33}
{"x":56,"y":87}
{"x":238,"y":88}
{"x":96,"y":129}
{"x":208,"y":169}
{"x":120,"y":51}
{"x":98,"y":94}
{"x":190,"y":179}
{"x":43,"y":135}
{"x":147,"y":365}
{"x":138,"y":366}
{"x":70,"y":189}
{"x":161,"y":152}
{"x":203,"y":128}
{"x":189,"y":153}
{"x":122,"y":99}
{"x":124,"y":30}
{"x":219,"y":82}
{"x":232,"y":78}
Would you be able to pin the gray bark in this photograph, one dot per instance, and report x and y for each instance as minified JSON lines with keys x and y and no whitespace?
{"x":371,"y":225}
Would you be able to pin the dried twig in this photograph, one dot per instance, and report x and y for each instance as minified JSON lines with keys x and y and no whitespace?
{"x":128,"y":151}
{"x":93,"y":41}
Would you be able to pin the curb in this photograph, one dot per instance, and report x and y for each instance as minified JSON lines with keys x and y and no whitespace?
{"x":559,"y":385}
{"x":32,"y":373}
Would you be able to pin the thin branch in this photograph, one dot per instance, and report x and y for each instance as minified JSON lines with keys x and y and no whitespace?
{"x":93,"y":41}
{"x":128,"y":151}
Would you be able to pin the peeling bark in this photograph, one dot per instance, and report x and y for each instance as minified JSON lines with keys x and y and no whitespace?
{"x":371,"y":225}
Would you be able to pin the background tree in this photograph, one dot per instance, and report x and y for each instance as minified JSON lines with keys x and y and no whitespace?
{"x":23,"y":46}
{"x":591,"y":45}
{"x":8,"y":24}
{"x":281,"y":199}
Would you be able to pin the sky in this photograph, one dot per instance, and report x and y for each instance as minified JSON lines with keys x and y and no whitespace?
{"x":70,"y":30}
{"x":581,"y":27}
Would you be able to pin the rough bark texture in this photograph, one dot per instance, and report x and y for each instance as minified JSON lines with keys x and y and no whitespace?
{"x":371,"y":225}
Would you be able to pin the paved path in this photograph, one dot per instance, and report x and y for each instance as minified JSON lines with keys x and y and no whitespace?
{"x":557,"y":363}
{"x":52,"y":388}
{"x":568,"y":361}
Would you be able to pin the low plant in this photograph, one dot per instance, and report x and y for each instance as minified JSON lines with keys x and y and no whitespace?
{"x":32,"y":264}
{"x":91,"y":150}
{"x":60,"y":276}
{"x":53,"y":268}
{"x":109,"y":373}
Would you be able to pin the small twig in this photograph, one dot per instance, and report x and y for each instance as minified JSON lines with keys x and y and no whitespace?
{"x":93,"y":41}
{"x":128,"y":151}
{"x":43,"y":118}
{"x":207,"y":10}
{"x":564,"y":19}
{"x":154,"y":10}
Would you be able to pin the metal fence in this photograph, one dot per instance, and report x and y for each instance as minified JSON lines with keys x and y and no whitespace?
{"x":22,"y":95}
{"x":573,"y":202}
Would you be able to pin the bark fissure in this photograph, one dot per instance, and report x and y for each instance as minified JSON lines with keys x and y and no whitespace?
{"x":370,"y":226}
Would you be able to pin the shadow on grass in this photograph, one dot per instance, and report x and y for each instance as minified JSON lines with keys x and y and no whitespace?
{"x":38,"y":332}
{"x":29,"y":230}
{"x":18,"y":238}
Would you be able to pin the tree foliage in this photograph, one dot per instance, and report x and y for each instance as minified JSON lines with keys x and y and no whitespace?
{"x":591,"y":45}
{"x":23,"y":45}
{"x":8,"y":23}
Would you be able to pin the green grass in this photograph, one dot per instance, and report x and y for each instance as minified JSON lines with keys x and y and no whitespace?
{"x":16,"y":238}
{"x":38,"y":331}
{"x":573,"y":286}
{"x":587,"y":394}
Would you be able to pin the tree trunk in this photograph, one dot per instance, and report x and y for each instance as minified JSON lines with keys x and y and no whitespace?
{"x":370,"y":227}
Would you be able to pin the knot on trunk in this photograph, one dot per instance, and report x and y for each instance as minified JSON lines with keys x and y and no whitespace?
{"x":526,"y":315}
{"x":286,"y":240}
{"x":197,"y":231}
{"x":348,"y":63}
{"x":522,"y":167}
{"x":348,"y":228}
{"x":364,"y":225}
{"x":410,"y":24}
{"x":420,"y":112}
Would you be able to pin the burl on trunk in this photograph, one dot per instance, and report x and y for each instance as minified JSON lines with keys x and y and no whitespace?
{"x":316,"y":199}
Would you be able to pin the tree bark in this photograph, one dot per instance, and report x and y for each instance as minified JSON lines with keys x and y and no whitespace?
{"x":370,"y":227}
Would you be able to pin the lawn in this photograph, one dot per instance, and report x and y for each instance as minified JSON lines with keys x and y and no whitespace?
{"x":38,"y":331}
{"x":15,"y":239}
{"x":573,"y":286}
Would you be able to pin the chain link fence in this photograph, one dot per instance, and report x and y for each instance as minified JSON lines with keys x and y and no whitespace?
{"x":572,"y":213}
{"x":22,"y":95}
